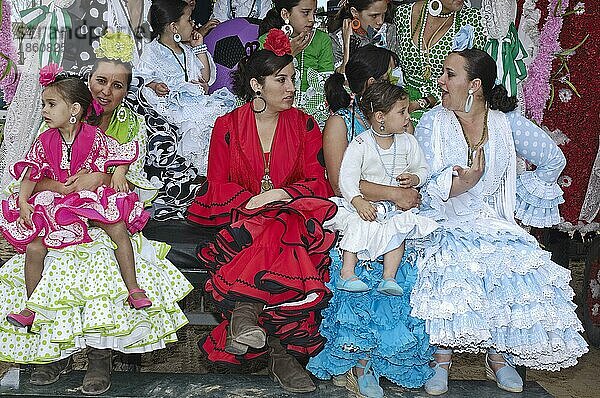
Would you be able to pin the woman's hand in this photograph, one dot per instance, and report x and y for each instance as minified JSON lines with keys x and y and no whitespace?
{"x":273,"y":195}
{"x":25,"y":212}
{"x":161,"y":89}
{"x":364,"y":208}
{"x":300,"y":42}
{"x":467,"y":178}
{"x":407,"y":180}
{"x":118,"y":182}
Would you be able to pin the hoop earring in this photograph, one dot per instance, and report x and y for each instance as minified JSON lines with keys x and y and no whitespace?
{"x":72,"y":119}
{"x":355,"y":24}
{"x":382,"y":126}
{"x":258,"y":97}
{"x":121,"y":114}
{"x":434,"y":7}
{"x":469,"y":102}
{"x":287,"y":28}
{"x":177,"y":38}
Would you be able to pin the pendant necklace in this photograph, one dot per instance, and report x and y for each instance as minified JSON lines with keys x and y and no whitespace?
{"x":426,"y":48}
{"x":67,"y":145}
{"x":266,"y":184}
{"x":389,"y":173}
{"x":472,"y":149}
{"x":182,"y":65}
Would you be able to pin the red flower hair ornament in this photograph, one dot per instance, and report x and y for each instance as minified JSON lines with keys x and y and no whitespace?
{"x":278,"y":42}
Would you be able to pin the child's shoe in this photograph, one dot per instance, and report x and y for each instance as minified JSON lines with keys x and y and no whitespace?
{"x":390,"y":287}
{"x":140,"y":303}
{"x":20,"y":320}
{"x":352,"y":284}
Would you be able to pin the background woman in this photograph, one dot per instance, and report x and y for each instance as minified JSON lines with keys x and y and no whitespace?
{"x":484,"y":283}
{"x":310,"y":46}
{"x":265,"y":183}
{"x":358,"y":23}
{"x":425,"y":33}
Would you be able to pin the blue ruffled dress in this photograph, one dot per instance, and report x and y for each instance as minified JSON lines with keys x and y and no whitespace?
{"x":484,"y":282}
{"x":371,"y":325}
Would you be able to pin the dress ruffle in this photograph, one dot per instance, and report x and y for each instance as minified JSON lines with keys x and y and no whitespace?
{"x":62,"y":220}
{"x":487,"y":284}
{"x":277,"y":255}
{"x":376,"y":326}
{"x":537,"y":201}
{"x":80,"y":302}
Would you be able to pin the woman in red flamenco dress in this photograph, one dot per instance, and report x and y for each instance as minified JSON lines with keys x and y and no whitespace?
{"x":266,"y":186}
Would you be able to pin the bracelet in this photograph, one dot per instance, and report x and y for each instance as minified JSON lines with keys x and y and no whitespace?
{"x":201,"y":49}
{"x":423,"y":103}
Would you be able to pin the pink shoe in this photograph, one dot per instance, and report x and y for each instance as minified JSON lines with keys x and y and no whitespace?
{"x":138,"y":304}
{"x":19,"y":320}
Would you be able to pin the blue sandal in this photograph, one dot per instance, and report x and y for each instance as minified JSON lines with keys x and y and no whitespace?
{"x":390,"y":287}
{"x":506,"y":377}
{"x":352,"y":284}
{"x":366,"y":385}
{"x":438,"y":384}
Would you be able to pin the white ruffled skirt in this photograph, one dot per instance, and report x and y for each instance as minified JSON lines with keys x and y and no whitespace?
{"x":487,"y":284}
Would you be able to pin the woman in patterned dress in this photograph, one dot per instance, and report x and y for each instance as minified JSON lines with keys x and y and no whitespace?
{"x":424,"y":38}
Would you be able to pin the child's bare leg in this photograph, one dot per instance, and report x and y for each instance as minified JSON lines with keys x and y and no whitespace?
{"x":124,"y":253}
{"x":35,"y":255}
{"x":391,"y":262}
{"x":349,"y":261}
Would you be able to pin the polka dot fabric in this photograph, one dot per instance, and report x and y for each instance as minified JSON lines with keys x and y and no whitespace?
{"x":80,"y":302}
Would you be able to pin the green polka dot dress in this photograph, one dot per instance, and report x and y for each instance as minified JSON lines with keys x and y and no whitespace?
{"x":81,"y":301}
{"x":411,"y":58}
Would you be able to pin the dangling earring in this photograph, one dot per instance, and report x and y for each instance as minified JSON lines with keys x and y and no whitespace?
{"x":382,"y":126}
{"x":434,"y":7}
{"x":287,"y":28}
{"x":72,"y":119}
{"x":469,"y":102}
{"x":258,"y":97}
{"x":121,"y":114}
{"x":177,"y":38}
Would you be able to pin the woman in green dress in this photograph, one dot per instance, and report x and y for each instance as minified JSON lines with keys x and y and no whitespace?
{"x":311,"y":48}
{"x":425,"y":31}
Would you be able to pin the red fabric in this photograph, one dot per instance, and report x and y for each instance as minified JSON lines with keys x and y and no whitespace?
{"x":275,"y":254}
{"x":236,"y":165}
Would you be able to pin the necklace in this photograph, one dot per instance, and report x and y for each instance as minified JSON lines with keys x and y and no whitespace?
{"x":381,"y":135}
{"x":421,"y":41}
{"x":266,"y":184}
{"x":182,"y":65}
{"x":388,"y":173}
{"x":69,"y":146}
{"x":471,"y":149}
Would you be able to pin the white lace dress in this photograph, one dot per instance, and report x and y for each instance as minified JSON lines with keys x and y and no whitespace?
{"x":365,"y":160}
{"x":187,"y":105}
{"x":483,"y":280}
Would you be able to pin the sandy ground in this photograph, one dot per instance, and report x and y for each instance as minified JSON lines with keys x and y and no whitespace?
{"x":581,"y":381}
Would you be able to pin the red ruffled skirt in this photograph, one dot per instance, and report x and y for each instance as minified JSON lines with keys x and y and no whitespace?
{"x":277,"y":255}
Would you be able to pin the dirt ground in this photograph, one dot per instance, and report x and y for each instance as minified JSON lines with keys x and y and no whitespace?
{"x":581,"y":381}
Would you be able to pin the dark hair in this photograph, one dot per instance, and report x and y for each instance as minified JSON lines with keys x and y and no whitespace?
{"x":366,"y":62}
{"x":163,"y":12}
{"x":258,"y":65}
{"x":273,"y":18}
{"x":72,"y":89}
{"x":480,"y":65}
{"x":126,"y":65}
{"x":344,"y":13}
{"x":381,"y":97}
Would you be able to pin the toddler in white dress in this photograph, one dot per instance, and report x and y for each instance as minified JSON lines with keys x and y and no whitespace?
{"x":386,"y":155}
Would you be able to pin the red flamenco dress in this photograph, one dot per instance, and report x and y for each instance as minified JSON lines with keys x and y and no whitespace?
{"x":277,"y":254}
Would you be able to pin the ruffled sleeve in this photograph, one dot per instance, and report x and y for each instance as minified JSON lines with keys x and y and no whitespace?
{"x":136,"y":174}
{"x":218,"y":196}
{"x":313,"y":182}
{"x":146,"y":66}
{"x":538,"y":194}
{"x":114,"y":153}
{"x":36,"y":161}
{"x":417,"y":162}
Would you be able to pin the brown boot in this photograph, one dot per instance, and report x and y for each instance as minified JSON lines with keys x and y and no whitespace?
{"x":285,"y":369}
{"x":243,"y":331}
{"x":97,"y":377}
{"x":42,"y":375}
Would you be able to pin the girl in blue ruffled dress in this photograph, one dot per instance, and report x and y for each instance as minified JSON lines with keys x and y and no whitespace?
{"x":368,"y":334}
{"x":177,"y":76}
{"x":484,"y":283}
